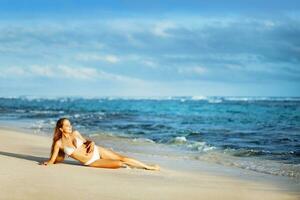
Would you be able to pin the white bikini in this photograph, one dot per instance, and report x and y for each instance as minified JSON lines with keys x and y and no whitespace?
{"x":70,"y":150}
{"x":79,"y":143}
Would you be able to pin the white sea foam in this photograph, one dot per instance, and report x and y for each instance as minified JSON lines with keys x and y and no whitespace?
{"x":199,"y":98}
{"x":20,"y":111}
{"x":191,"y":145}
{"x":200,"y":146}
{"x":143,"y":140}
{"x":77,"y":115}
{"x":210,"y":99}
{"x":262,"y":98}
{"x":180,"y":139}
{"x":43,"y":111}
{"x":215,"y":100}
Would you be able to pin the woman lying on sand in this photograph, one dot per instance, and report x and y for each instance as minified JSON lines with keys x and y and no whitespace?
{"x":66,"y":141}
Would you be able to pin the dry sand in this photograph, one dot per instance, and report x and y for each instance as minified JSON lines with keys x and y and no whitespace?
{"x":22,"y":178}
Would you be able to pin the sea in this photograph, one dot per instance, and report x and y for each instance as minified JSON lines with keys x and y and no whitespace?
{"x":261,"y":134}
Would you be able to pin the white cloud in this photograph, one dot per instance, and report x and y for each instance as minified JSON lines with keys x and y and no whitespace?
{"x":269,"y":23}
{"x":77,"y":73}
{"x":141,"y":60}
{"x":134,"y":41}
{"x":111,"y":58}
{"x":50,"y":72}
{"x":66,"y":72}
{"x":149,"y":63}
{"x":192,"y":70}
{"x":117,"y":77}
{"x":160,"y":29}
{"x":12,"y":72}
{"x":95,"y":57}
{"x":42,"y":71}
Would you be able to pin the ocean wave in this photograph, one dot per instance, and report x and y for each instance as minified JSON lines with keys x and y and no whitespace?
{"x":210,"y":99}
{"x":178,"y":140}
{"x":215,"y":100}
{"x":190,"y":145}
{"x":199,"y":98}
{"x":246,"y":99}
{"x":246,"y":152}
{"x":143,"y":140}
{"x":200,"y":146}
{"x":46,"y":111}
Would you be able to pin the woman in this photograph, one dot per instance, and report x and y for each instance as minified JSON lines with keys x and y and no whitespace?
{"x":66,"y":141}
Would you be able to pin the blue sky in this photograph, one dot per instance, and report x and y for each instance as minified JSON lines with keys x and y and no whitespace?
{"x":150,"y":48}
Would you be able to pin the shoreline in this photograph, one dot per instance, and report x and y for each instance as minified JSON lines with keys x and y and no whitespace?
{"x":178,"y":178}
{"x":123,"y":144}
{"x":190,"y":149}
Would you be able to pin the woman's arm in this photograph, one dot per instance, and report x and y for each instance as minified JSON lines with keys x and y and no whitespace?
{"x":54,"y":154}
{"x":89,"y":143}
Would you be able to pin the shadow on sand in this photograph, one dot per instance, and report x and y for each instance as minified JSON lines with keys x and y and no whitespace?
{"x":34,"y":158}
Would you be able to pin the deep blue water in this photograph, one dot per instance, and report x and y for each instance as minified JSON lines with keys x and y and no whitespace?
{"x":263,"y":128}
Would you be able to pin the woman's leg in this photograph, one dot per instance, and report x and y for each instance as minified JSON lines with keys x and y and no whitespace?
{"x":108,"y":154}
{"x":106,"y":163}
{"x":135,"y":163}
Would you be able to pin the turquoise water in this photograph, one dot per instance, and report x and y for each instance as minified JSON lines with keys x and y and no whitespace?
{"x":256,"y":133}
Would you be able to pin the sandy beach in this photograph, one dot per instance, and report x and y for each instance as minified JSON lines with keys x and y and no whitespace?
{"x":23,"y":178}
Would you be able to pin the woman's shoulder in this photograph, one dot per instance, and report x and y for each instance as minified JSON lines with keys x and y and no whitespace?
{"x":75,"y":133}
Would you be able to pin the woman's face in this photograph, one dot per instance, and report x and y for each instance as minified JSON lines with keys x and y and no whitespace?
{"x":67,"y":127}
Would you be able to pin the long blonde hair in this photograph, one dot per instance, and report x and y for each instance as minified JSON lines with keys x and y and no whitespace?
{"x":56,"y":136}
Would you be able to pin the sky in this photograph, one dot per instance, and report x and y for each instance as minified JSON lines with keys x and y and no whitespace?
{"x":94,"y":48}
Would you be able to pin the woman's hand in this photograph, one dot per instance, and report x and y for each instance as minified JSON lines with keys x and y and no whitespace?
{"x":47,"y":162}
{"x":90,"y":146}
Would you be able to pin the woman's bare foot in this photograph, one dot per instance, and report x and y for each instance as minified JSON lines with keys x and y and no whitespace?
{"x":153,"y":167}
